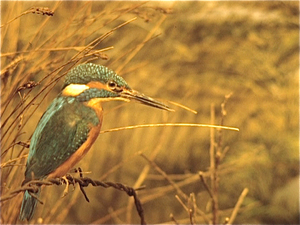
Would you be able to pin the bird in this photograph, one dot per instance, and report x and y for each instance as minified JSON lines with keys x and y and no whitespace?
{"x":71,"y":124}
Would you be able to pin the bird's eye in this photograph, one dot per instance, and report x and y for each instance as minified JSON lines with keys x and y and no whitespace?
{"x":112,"y":84}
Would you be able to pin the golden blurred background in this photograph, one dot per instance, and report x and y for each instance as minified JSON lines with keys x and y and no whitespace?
{"x":193,"y":53}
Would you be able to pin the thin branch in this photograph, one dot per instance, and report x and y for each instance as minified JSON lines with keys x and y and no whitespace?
{"x":181,"y":203}
{"x":214,"y":171}
{"x":205,"y":184}
{"x":158,"y":169}
{"x":191,"y":216}
{"x":173,"y":219}
{"x":238,"y":206}
{"x":193,"y":207}
{"x":172,"y":183}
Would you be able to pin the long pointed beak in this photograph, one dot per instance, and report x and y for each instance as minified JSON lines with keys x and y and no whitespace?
{"x":135,"y":95}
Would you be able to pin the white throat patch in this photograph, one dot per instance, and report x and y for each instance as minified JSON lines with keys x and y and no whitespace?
{"x":74,"y":89}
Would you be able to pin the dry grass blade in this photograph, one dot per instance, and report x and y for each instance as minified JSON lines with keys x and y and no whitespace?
{"x":153,"y":164}
{"x":169,"y":125}
{"x":204,"y":50}
{"x":140,"y":46}
{"x":173,"y":184}
{"x":238,"y":205}
{"x":75,"y":48}
{"x":38,"y":10}
{"x":11,"y":66}
{"x":181,"y":203}
{"x":183,"y":107}
{"x":12,"y":161}
{"x":173,"y":218}
{"x":95,"y":42}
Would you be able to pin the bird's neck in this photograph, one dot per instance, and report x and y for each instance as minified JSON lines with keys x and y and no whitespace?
{"x":95,"y":104}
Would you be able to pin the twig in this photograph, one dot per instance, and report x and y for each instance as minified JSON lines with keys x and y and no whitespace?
{"x":216,"y":155}
{"x":238,"y":205}
{"x":191,"y":216}
{"x":33,"y":185}
{"x":193,"y":208}
{"x":172,"y":183}
{"x":205,"y":184}
{"x":214,"y":171}
{"x":220,"y":135}
{"x":181,"y":203}
{"x":156,"y":167}
{"x":173,"y":218}
{"x":189,"y":210}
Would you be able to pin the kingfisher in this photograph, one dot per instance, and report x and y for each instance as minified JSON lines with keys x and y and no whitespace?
{"x":72,"y":122}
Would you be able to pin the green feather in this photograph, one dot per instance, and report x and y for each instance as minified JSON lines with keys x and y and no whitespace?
{"x":63,"y":128}
{"x":85,"y":73}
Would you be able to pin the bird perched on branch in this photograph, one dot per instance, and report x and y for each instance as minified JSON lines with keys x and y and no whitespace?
{"x":72,"y":123}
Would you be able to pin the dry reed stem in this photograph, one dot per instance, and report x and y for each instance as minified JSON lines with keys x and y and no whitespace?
{"x":213,"y":169}
{"x":144,"y":173}
{"x":181,"y":203}
{"x":75,"y":48}
{"x":172,"y":183}
{"x":169,"y":125}
{"x":159,"y":170}
{"x":35,"y":10}
{"x":101,"y":38}
{"x":140,"y":46}
{"x":189,"y":209}
{"x":96,"y":41}
{"x":188,"y":180}
{"x":173,"y":218}
{"x":238,"y":206}
{"x":22,"y":108}
{"x":212,"y":123}
{"x":205,"y":184}
{"x":162,"y":191}
{"x":193,"y":208}
{"x":215,"y":159}
{"x":183,"y":107}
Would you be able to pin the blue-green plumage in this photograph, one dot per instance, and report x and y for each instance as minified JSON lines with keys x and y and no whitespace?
{"x":61,"y":131}
{"x":72,"y":122}
{"x":28,"y":205}
{"x":95,"y":93}
{"x":63,"y":128}
{"x":85,"y":73}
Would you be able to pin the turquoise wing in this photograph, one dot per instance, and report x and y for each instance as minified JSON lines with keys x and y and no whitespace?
{"x":62,"y":129}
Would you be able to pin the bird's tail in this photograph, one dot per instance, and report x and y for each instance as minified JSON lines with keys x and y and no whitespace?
{"x":28,"y":205}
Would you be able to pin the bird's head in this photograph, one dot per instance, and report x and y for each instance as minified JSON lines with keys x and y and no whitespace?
{"x":91,"y":81}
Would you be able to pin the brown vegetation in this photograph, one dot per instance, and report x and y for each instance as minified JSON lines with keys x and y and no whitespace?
{"x":235,"y":63}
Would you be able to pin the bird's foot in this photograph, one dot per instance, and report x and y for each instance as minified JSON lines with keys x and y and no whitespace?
{"x":66,"y":190}
{"x":79,"y":170}
{"x":69,"y":179}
